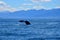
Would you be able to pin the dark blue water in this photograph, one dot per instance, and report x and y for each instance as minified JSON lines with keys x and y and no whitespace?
{"x":40,"y":29}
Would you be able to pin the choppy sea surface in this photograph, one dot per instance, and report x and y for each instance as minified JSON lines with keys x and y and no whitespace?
{"x":40,"y":29}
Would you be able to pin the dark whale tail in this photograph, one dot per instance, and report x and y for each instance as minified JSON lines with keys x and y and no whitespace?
{"x":26,"y":22}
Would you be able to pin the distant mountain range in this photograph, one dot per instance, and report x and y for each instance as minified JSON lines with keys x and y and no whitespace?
{"x":53,"y":13}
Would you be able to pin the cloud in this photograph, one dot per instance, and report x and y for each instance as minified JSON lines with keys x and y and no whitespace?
{"x":38,"y":7}
{"x":12,"y":9}
{"x":5,"y":7}
{"x":24,"y":8}
{"x":26,"y":4}
{"x":2,"y":5}
{"x":45,"y":0}
{"x":30,"y":7}
{"x":35,"y":7}
{"x":36,"y":1}
{"x":57,"y":7}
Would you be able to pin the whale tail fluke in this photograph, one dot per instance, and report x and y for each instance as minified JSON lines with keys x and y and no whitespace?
{"x":26,"y":22}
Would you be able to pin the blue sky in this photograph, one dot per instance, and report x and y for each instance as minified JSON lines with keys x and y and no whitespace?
{"x":29,"y":4}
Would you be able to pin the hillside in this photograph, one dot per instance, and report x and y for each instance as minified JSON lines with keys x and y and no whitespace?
{"x":32,"y":14}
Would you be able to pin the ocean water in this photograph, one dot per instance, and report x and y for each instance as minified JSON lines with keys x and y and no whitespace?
{"x":40,"y":29}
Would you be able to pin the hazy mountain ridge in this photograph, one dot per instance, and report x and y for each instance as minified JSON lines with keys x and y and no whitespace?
{"x":31,"y":13}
